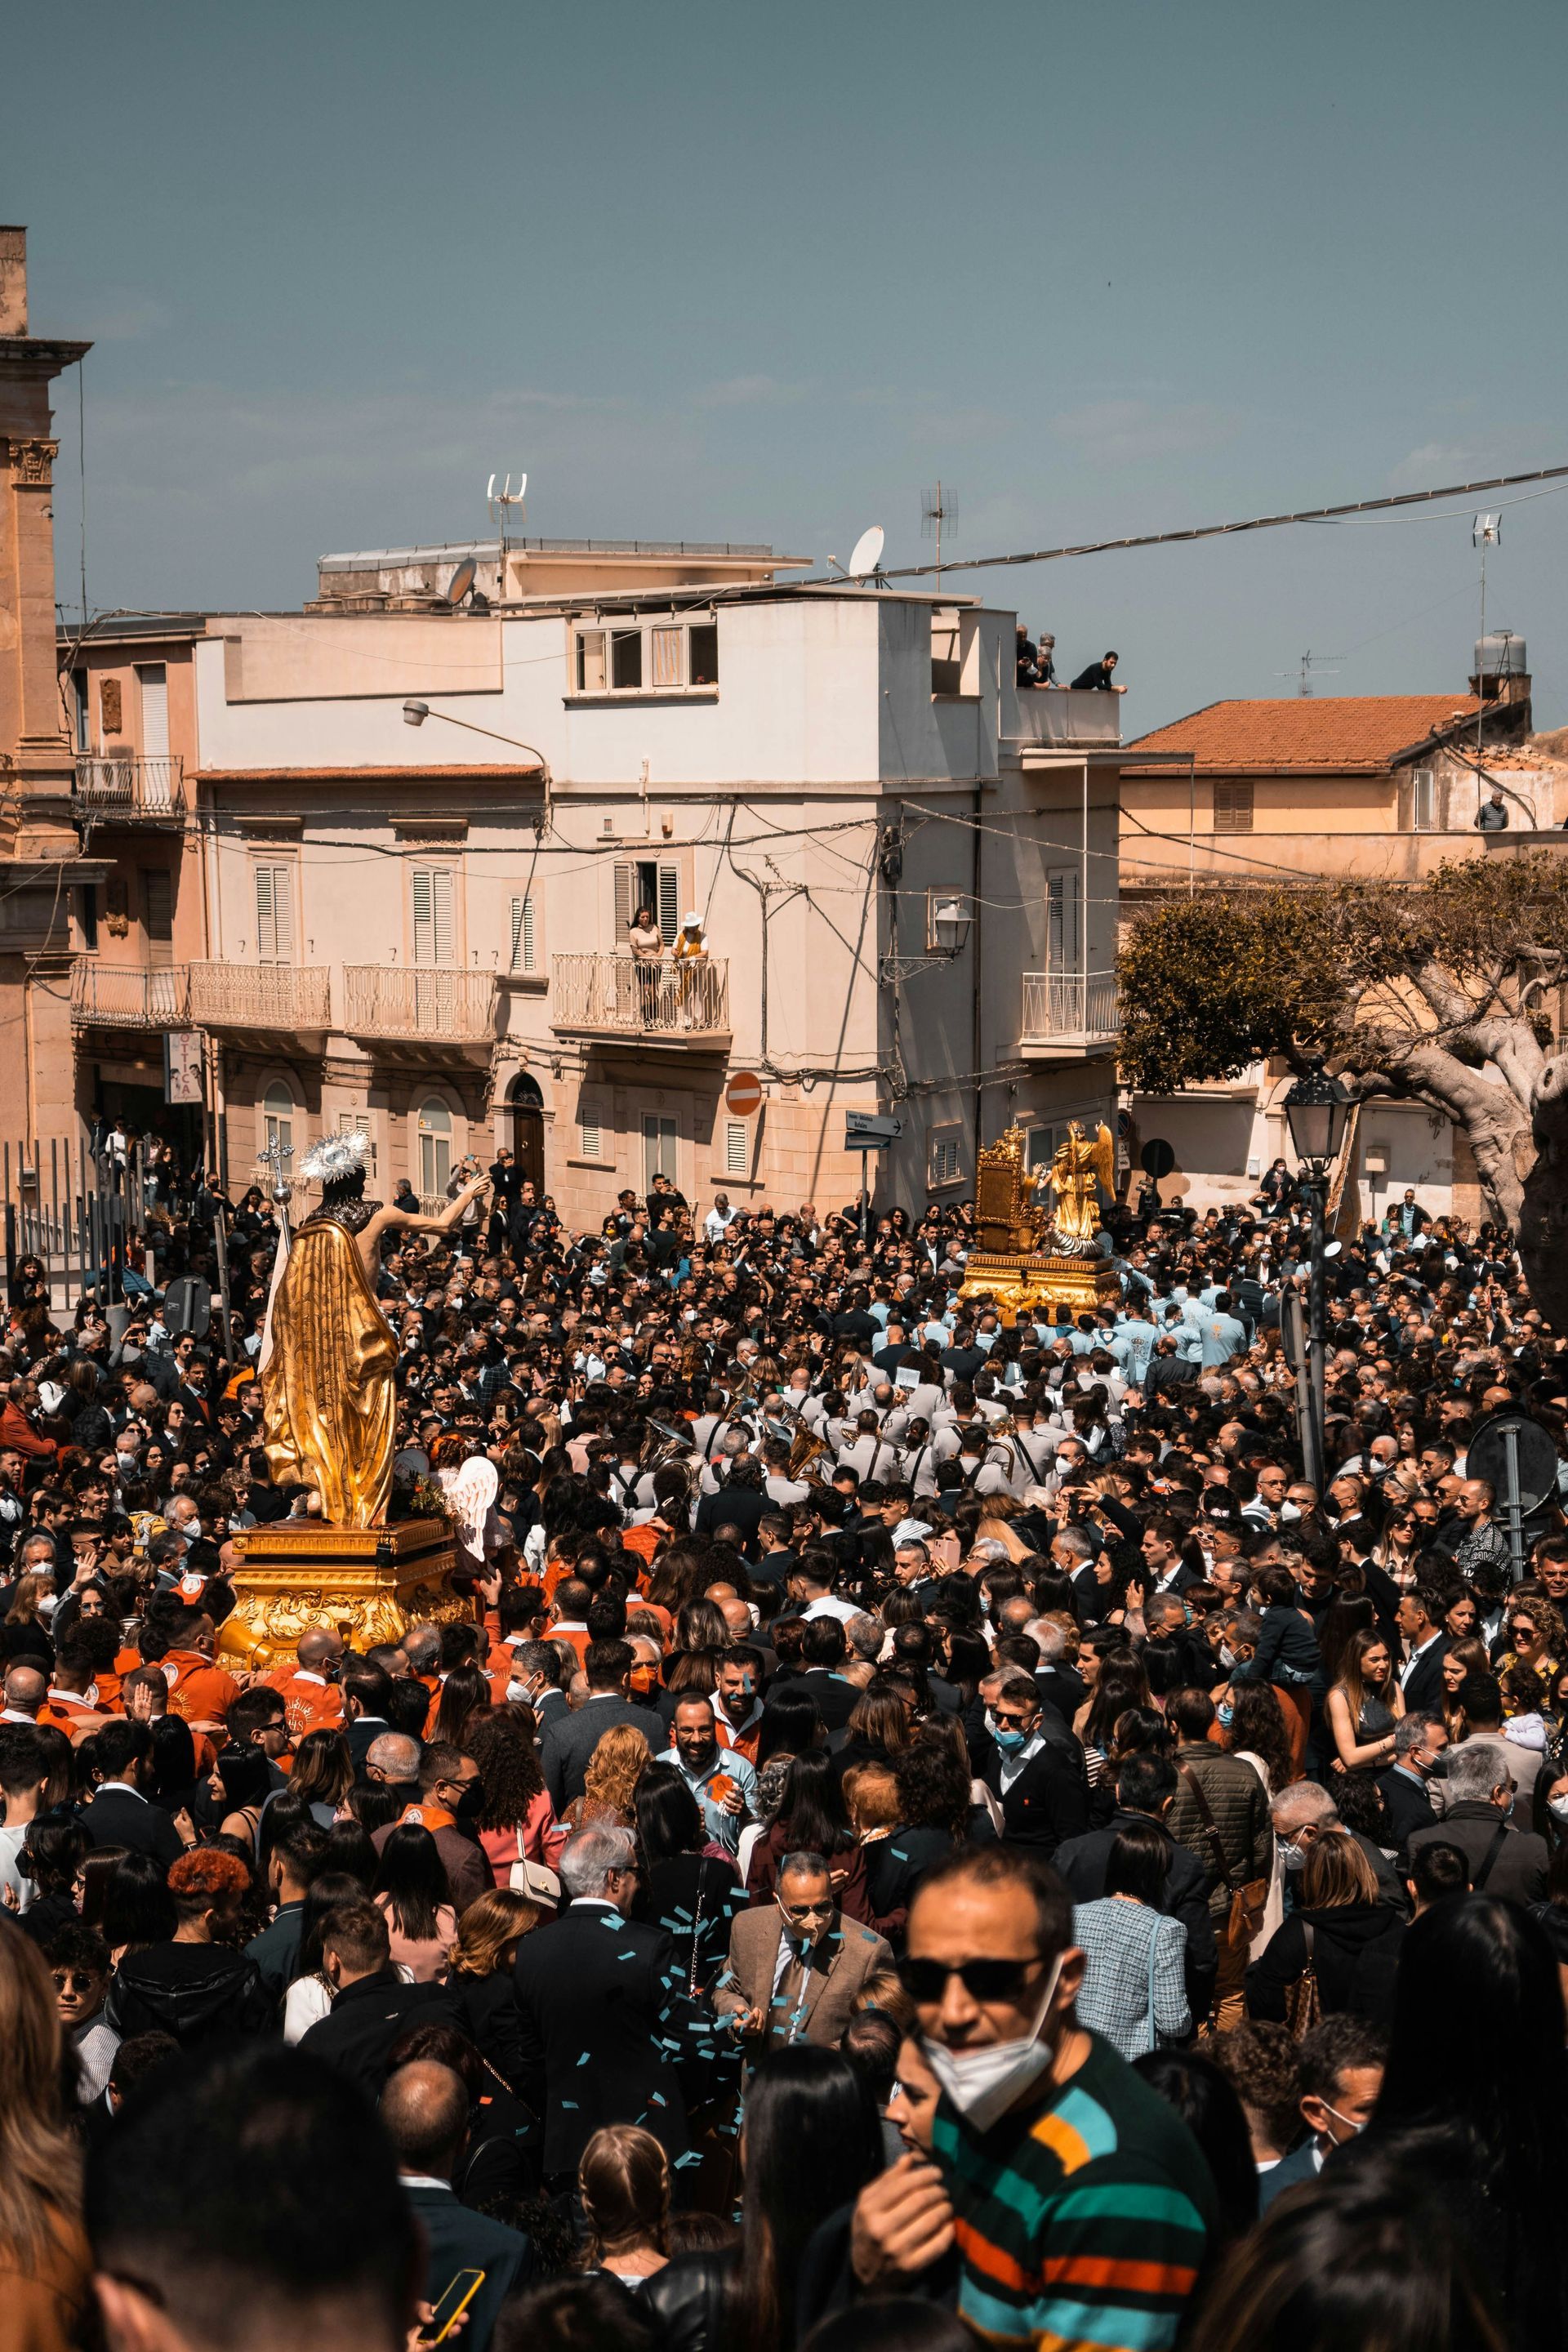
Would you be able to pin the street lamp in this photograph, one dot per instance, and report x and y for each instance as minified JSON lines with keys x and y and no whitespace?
{"x":950,"y":923}
{"x":415,"y":714}
{"x":1317,"y":1112}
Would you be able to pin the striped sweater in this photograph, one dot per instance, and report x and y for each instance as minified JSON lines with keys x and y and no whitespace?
{"x":1082,"y":2216}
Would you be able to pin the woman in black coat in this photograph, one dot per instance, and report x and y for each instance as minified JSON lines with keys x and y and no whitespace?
{"x":1341,"y":1931}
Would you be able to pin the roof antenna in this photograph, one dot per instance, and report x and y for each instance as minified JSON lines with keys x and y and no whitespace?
{"x":1309,"y":662}
{"x":938,"y":507}
{"x":500,"y":503}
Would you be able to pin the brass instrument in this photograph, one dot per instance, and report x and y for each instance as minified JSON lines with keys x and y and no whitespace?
{"x":664,"y":1448}
{"x":807,"y":1450}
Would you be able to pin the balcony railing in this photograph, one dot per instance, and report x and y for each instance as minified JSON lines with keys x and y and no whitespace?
{"x":115,"y":789}
{"x":436,"y":1007}
{"x":259,"y":996}
{"x":1068,"y":1010}
{"x":1057,"y":716}
{"x":129,"y":996}
{"x":616,"y":996}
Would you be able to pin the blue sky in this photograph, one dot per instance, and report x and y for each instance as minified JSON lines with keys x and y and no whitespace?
{"x":711,"y":270}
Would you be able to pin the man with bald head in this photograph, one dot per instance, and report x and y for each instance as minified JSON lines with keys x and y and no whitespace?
{"x":393,"y":1759}
{"x":26,"y":1688}
{"x":309,"y":1689}
{"x":424,"y":2115}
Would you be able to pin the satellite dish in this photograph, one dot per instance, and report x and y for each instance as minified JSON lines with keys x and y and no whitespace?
{"x":462,"y":581}
{"x":868,"y":552}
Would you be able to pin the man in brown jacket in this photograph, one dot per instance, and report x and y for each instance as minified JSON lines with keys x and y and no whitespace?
{"x":795,"y":1963}
{"x":1221,"y":1815}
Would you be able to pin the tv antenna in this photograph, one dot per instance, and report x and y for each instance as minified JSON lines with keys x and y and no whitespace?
{"x":1322,"y":663}
{"x":501,"y":503}
{"x":865,"y":556}
{"x":938,"y":507}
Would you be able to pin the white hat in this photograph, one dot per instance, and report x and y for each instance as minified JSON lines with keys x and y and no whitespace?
{"x":692,"y":923}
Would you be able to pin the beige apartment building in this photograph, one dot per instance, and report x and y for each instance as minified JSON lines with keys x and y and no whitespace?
{"x":1373,"y":787}
{"x":380,"y":859}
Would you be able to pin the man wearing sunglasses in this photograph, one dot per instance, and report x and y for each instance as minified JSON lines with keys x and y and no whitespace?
{"x":796,"y":1965}
{"x":1080,"y":2203}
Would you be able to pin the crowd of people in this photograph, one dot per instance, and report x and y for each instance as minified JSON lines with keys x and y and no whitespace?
{"x":924,"y":1829}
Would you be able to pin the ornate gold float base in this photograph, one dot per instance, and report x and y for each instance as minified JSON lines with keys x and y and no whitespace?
{"x":1027,"y":1283}
{"x":369,"y":1584}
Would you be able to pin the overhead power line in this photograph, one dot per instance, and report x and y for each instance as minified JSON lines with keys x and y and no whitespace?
{"x":1223,"y":529}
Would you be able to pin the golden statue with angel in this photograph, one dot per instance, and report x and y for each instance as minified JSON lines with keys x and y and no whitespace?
{"x":1037,"y":1235}
{"x":327,"y":1367}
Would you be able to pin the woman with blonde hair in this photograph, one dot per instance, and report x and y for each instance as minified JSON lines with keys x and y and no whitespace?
{"x":26,"y":1602}
{"x":1338,"y":1948}
{"x":610,"y":1783}
{"x":623,"y":2180}
{"x":481,"y":1962}
{"x":44,"y":2257}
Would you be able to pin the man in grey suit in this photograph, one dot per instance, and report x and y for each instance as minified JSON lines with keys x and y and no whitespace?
{"x":425,"y":2112}
{"x":570,"y":1739}
{"x":796,"y":1964}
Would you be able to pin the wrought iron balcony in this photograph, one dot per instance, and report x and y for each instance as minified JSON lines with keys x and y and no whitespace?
{"x":114,"y":788}
{"x":662,"y":1004}
{"x":419,"y":1003}
{"x":128,"y":995}
{"x":1068,"y":1013}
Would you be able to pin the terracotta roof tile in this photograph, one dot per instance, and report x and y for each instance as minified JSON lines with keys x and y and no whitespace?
{"x":1309,"y":731}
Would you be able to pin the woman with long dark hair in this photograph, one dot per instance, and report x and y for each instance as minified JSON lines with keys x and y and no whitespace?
{"x":811,"y":2140}
{"x":412,"y":1888}
{"x":813,"y":1819}
{"x":1364,"y":1704}
{"x":1477,"y":2115}
{"x":515,"y":1819}
{"x":791,"y":1724}
{"x":463,"y":1694}
{"x":44,"y":2260}
{"x":692,"y":1895}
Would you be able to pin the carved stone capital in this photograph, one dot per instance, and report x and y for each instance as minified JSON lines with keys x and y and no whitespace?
{"x":31,"y":462}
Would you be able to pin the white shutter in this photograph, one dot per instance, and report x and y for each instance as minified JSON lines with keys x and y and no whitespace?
{"x":588,"y":1130}
{"x":670,"y":902}
{"x":154,"y":682}
{"x":522,"y":957}
{"x":273,"y":915}
{"x":734,"y":1147}
{"x":433,"y":933}
{"x":625,"y":882}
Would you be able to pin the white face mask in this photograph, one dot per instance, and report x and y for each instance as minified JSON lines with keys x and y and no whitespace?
{"x":1226,"y":1657}
{"x":1289,"y":1510}
{"x":984,"y":2084}
{"x":1558,"y":1808}
{"x":521,"y":1693}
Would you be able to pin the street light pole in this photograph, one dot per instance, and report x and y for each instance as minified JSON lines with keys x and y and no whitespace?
{"x":1317,"y":1335}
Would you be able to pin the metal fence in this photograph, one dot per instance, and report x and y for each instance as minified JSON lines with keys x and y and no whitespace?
{"x":76,"y":1212}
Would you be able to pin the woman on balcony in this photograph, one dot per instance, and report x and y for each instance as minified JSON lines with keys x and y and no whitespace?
{"x":647,"y":943}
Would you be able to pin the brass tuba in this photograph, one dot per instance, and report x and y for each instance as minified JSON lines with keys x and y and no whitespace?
{"x":807,"y":1450}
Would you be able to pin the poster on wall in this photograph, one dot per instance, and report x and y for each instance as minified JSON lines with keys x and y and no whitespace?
{"x":182,"y":1065}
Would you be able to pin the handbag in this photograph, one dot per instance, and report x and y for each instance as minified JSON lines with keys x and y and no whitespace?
{"x":1249,"y":1898}
{"x":1304,"y":2001}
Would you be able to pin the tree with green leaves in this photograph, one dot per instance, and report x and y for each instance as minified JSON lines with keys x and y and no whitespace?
{"x":1439,"y":992}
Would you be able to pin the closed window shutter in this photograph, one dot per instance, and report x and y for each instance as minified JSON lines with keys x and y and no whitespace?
{"x":424,"y":926}
{"x":589,"y":1130}
{"x":670,"y":902}
{"x":624,"y":882}
{"x":522,"y":935}
{"x":433,"y":935}
{"x":153,"y":678}
{"x":273,"y":915}
{"x":734,"y":1147}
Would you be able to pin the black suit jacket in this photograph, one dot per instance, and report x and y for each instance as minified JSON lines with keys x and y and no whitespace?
{"x":366,"y":2019}
{"x":599,"y":1997}
{"x":1410,"y":1806}
{"x":836,"y":1700}
{"x":362,"y":1735}
{"x":457,"y":2240}
{"x":741,"y":1506}
{"x":1424,"y":1687}
{"x":116,"y":1818}
{"x":571,"y":1738}
{"x":1046,"y":1803}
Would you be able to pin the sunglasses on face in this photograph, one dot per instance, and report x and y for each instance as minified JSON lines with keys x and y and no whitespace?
{"x":926,"y":1981}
